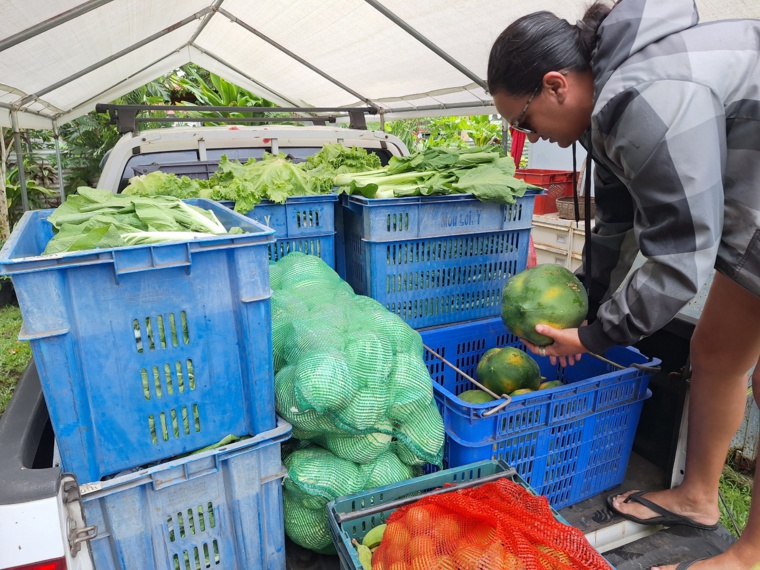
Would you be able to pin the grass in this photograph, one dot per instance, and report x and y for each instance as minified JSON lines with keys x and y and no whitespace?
{"x":14,"y":355}
{"x":736,"y":491}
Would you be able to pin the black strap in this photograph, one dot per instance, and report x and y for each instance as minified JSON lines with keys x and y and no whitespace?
{"x":587,"y":216}
{"x":575,"y":186}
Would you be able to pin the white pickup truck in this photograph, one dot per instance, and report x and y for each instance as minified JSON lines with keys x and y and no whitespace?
{"x":41,"y":522}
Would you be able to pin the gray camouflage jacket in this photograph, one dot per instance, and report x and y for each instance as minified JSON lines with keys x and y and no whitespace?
{"x":676,"y":140}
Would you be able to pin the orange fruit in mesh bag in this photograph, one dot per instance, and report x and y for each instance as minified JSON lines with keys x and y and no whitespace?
{"x":421,"y":545}
{"x":445,"y":562}
{"x":468,"y":557}
{"x":554,"y":555}
{"x":425,"y":562}
{"x":446,"y":532}
{"x":418,"y":520}
{"x":395,"y":540}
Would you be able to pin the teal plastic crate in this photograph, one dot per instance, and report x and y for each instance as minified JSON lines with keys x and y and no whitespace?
{"x":434,"y":260}
{"x":569,"y":443}
{"x":147,"y":352}
{"x":217,"y":509}
{"x":303,"y":223}
{"x":342,"y":532}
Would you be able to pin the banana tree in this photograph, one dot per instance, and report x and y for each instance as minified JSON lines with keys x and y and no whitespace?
{"x":215,"y":91}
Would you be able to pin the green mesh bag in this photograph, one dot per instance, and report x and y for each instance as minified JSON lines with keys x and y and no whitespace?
{"x":287,"y":405}
{"x":351,"y":379}
{"x":423,"y":435}
{"x":386,"y":470}
{"x":324,"y":381}
{"x":359,"y":449}
{"x":307,"y":527}
{"x":317,"y":474}
{"x":410,"y":388}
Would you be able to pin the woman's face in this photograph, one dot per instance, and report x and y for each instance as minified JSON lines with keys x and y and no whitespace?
{"x":559,"y":111}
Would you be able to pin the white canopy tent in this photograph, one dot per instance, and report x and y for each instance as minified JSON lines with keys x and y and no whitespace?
{"x":58,"y":58}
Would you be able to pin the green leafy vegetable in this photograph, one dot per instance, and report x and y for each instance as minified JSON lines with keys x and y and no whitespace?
{"x":484,"y":172}
{"x":99,"y":219}
{"x":159,"y":183}
{"x":272,"y":178}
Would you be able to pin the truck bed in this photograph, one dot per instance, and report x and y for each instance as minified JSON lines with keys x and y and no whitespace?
{"x":27,"y":472}
{"x":667,"y":545}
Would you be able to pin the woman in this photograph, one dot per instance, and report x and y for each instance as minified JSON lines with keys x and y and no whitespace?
{"x":669,"y":111}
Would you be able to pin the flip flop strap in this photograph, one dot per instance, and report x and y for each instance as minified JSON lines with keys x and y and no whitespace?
{"x":686,"y":565}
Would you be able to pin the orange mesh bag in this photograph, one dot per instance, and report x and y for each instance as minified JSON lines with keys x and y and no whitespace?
{"x":497,"y":525}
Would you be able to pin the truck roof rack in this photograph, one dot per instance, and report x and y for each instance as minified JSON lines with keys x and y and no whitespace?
{"x":125,"y":117}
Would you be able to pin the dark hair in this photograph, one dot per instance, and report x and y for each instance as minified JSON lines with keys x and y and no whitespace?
{"x":541,"y":42}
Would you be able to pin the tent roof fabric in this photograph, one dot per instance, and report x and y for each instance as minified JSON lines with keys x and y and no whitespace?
{"x":58,"y":58}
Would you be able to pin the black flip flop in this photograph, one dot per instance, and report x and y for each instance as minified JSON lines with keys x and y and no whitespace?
{"x":685,"y":565}
{"x":665,"y":518}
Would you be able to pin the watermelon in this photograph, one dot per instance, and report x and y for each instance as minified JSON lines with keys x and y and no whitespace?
{"x":504,"y":370}
{"x":545,"y":294}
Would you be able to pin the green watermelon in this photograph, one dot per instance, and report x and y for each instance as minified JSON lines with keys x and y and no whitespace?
{"x":504,"y":370}
{"x":545,"y":294}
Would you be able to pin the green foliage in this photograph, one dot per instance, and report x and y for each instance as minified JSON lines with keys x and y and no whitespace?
{"x":203,"y":88}
{"x":14,"y":355}
{"x":87,"y":139}
{"x":450,"y":132}
{"x":36,"y":194}
{"x":737,"y":496}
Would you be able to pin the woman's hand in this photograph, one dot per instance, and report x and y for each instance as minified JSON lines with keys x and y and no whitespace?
{"x":566,"y":348}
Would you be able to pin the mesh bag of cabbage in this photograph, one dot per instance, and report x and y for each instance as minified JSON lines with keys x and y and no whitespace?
{"x":350,"y":375}
{"x":350,"y":378}
{"x":497,"y":525}
{"x":316,"y":476}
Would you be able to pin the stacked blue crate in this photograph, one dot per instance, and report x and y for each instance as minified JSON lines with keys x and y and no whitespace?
{"x":434,"y":260}
{"x":147,"y":352}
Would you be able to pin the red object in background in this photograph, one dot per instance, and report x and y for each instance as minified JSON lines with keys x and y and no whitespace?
{"x":557,"y":183}
{"x":532,"y":256}
{"x":518,"y":142}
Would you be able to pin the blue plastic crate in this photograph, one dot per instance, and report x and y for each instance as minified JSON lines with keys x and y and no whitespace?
{"x":147,"y":352}
{"x":434,"y":260}
{"x":302,"y":223}
{"x":343,"y":532}
{"x":217,"y":509}
{"x":569,"y":443}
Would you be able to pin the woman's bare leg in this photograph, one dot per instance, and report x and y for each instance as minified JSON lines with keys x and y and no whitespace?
{"x":725,"y":345}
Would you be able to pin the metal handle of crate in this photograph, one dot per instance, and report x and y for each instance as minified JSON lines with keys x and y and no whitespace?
{"x":507,"y":398}
{"x":632,"y":365}
{"x":392,"y":505}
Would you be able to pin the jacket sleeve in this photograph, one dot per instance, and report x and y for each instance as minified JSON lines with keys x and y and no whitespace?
{"x":612,"y":243}
{"x":666,"y":142}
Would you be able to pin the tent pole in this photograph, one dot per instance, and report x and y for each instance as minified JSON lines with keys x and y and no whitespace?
{"x":5,"y":229}
{"x":19,"y":160}
{"x":58,"y":161}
